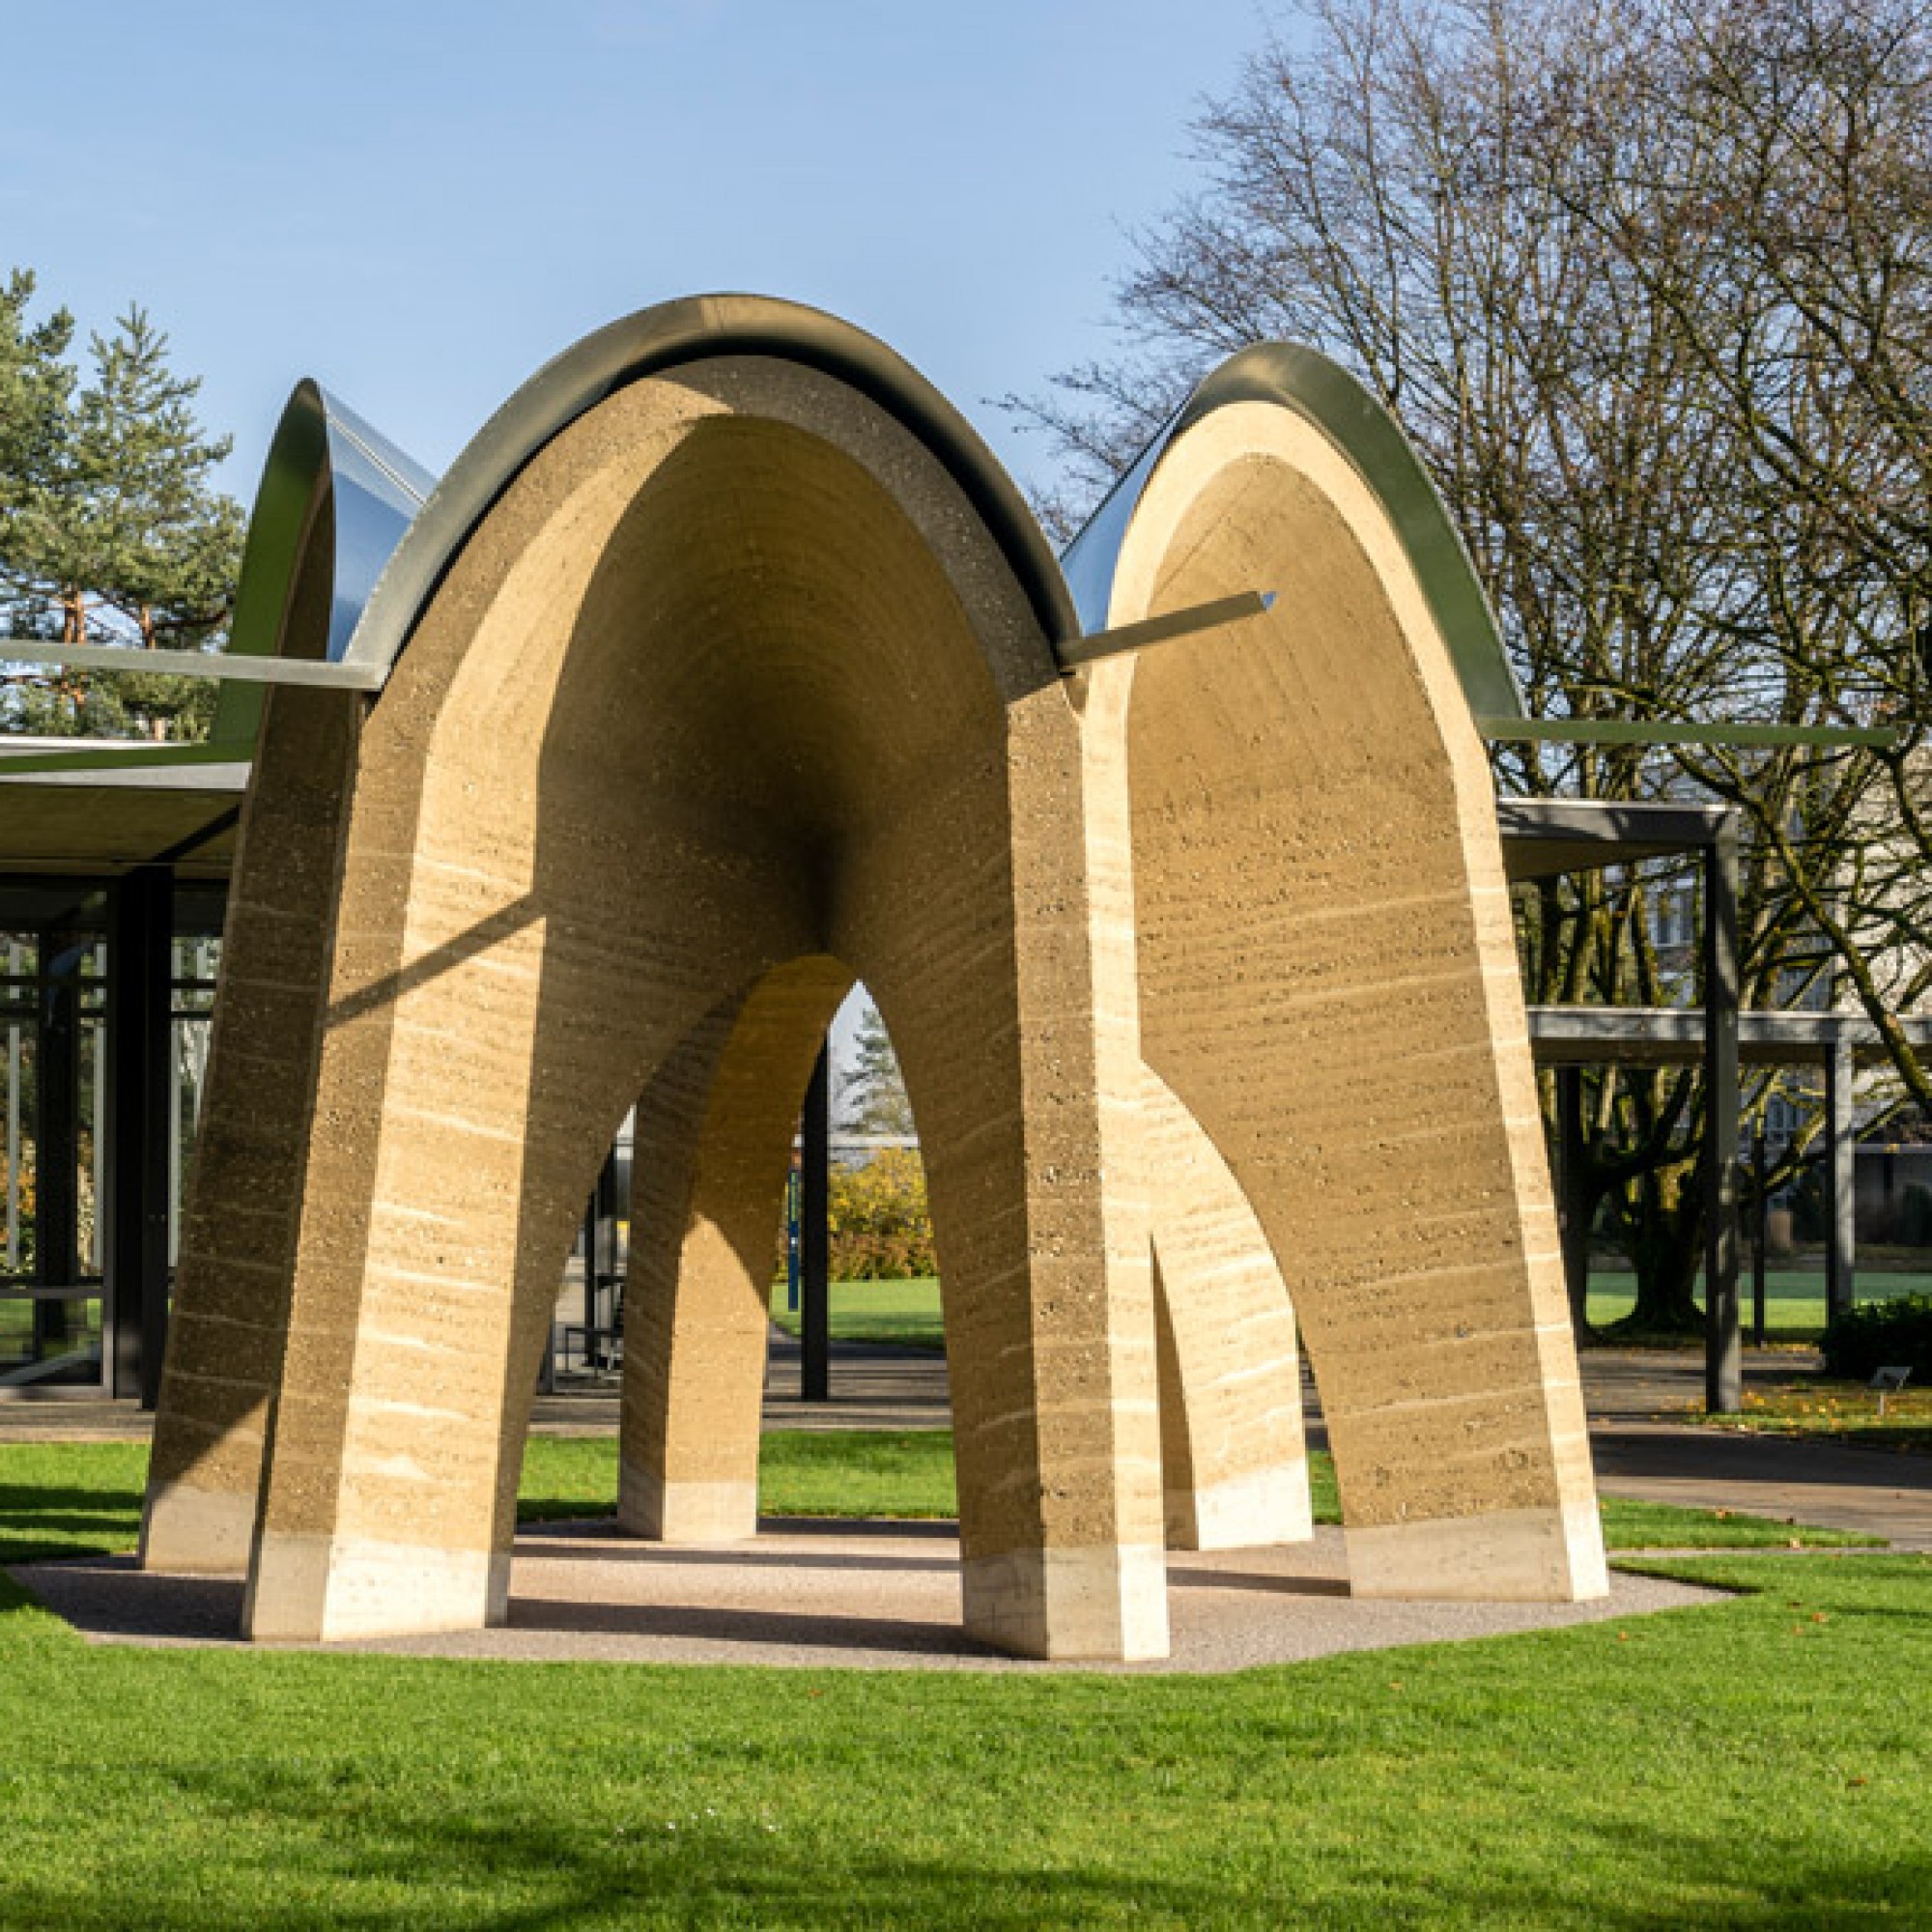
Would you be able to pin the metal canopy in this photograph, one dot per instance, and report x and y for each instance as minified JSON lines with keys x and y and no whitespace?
{"x":1675,"y":1037}
{"x":79,"y":825}
{"x":1543,"y":838}
{"x":1301,"y":380}
{"x":397,"y":530}
{"x":1546,"y":836}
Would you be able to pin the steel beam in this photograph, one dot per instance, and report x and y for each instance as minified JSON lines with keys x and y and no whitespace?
{"x":222,"y":666}
{"x":1096,"y":645}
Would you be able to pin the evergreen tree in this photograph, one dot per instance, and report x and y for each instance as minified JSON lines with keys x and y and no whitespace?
{"x":35,"y":409}
{"x":111,"y":528}
{"x":873,"y":1096}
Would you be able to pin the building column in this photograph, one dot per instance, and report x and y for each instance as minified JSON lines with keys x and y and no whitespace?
{"x":57,"y":1140}
{"x":140,"y":926}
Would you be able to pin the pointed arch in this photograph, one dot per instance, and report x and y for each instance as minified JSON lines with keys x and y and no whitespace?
{"x":731,"y":672}
{"x":1328,"y":984}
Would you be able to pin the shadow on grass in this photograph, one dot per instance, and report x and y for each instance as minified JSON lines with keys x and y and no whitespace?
{"x":108,"y":1596}
{"x":30,"y":1502}
{"x":331,"y":1846}
{"x":511,"y":1876}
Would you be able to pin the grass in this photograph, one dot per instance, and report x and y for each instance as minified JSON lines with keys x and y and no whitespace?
{"x":909,"y":1473}
{"x":902,"y":1312}
{"x":1793,"y":1298}
{"x":801,"y":1473}
{"x":68,"y":1498}
{"x":1764,"y":1762}
{"x":1843,"y":1411}
{"x":906,"y":1312}
{"x":17,"y":1346}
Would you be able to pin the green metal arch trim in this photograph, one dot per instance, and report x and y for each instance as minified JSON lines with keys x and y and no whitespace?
{"x":376,"y":492}
{"x":1321,"y":391}
{"x":663,"y":338}
{"x":298,"y":461}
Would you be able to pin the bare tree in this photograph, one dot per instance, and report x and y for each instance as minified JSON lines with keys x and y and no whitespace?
{"x":1783,"y":218}
{"x":1555,"y":237}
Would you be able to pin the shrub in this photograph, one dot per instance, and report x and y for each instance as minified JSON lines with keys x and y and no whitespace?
{"x":1881,"y":1334}
{"x":880,"y":1227}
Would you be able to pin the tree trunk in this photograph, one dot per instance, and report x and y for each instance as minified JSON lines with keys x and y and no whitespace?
{"x":1664,"y":1224}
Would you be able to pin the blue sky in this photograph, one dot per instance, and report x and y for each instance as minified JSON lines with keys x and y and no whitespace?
{"x":419,"y":202}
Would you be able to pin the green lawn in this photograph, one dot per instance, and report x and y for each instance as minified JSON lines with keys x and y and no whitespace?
{"x":909,"y":1473}
{"x":904,"y":1312}
{"x":16,"y":1330}
{"x":1765,"y":1762}
{"x":1794,"y":1298}
{"x":1845,"y":1411}
{"x":801,"y":1473}
{"x":907,"y":1312}
{"x":66,"y":1498}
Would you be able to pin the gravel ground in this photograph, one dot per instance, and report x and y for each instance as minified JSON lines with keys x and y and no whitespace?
{"x":840,"y":1595}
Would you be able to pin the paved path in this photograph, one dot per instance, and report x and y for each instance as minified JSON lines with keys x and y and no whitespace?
{"x":1629,"y":1397}
{"x":1872,"y":1490}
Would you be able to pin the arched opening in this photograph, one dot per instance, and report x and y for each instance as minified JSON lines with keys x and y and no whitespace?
{"x":724,"y":690}
{"x":858,"y":1254}
{"x":1327,"y":985}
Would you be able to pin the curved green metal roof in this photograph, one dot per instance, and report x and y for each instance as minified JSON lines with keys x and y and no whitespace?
{"x":672,"y":335}
{"x":1291,"y":377}
{"x":398,"y":531}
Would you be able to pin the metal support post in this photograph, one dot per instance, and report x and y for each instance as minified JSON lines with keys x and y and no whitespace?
{"x":1573,"y":1212}
{"x":1760,"y":1233}
{"x":140,"y":973}
{"x":57,"y":1133}
{"x":1842,"y":1144}
{"x":593,"y":1227}
{"x":815,"y":1248}
{"x":1723,"y":1345}
{"x":791,"y":1236}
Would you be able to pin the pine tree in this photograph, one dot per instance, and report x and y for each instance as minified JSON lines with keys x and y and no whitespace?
{"x":874,"y":1098}
{"x":36,"y":410}
{"x":111,"y":528}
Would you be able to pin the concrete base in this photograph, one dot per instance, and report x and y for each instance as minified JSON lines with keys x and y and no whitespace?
{"x":197,"y":1532}
{"x":1244,"y":1513}
{"x":662,"y":1512}
{"x":1524,"y":1556}
{"x":1105,"y":1605}
{"x":320,"y":1589}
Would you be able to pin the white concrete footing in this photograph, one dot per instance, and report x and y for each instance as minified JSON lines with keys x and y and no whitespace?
{"x":194,"y":1532}
{"x":1532,"y":1556}
{"x":662,"y":1512}
{"x":1243,"y":1513}
{"x":1106,"y":1603}
{"x":325,"y":1589}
